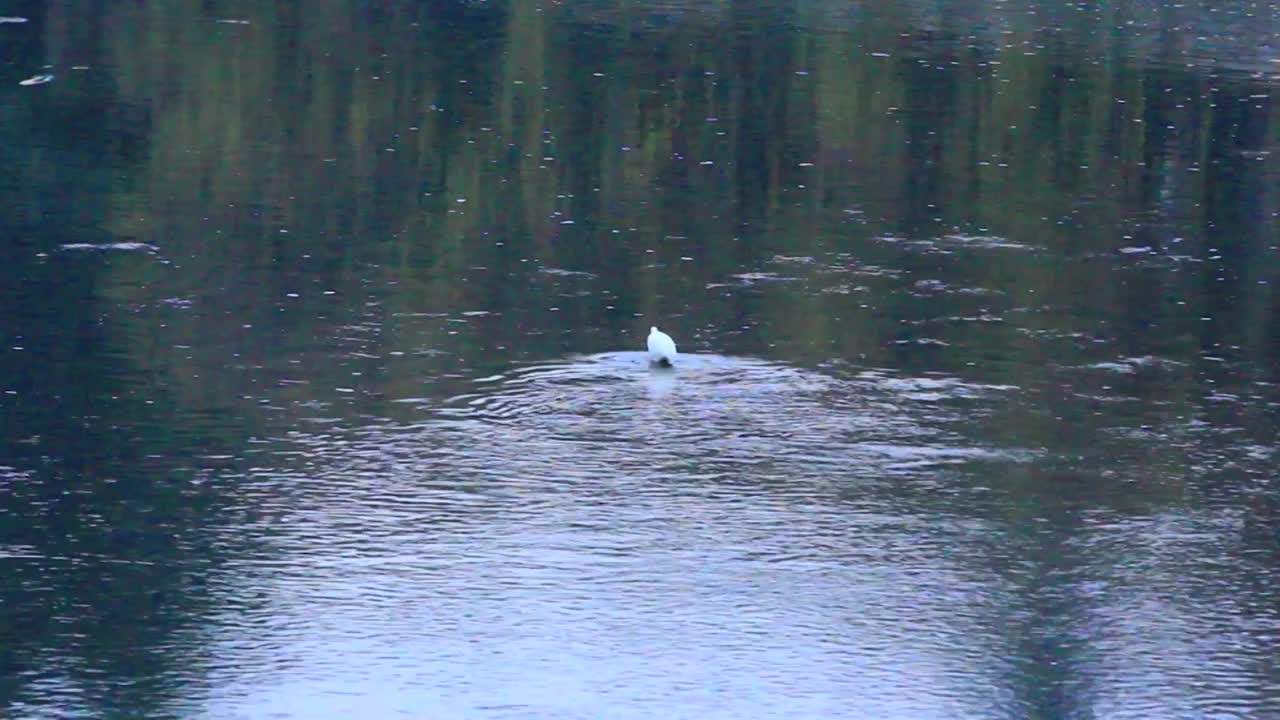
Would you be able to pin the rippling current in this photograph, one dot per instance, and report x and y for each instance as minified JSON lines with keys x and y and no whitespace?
{"x":733,"y":538}
{"x":594,"y":538}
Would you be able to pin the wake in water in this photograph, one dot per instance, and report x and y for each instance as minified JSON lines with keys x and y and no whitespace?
{"x":736,"y":415}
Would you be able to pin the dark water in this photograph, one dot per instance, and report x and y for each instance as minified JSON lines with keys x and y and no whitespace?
{"x":322,"y":394}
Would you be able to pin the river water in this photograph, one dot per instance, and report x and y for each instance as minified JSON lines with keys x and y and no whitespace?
{"x":323,"y":390}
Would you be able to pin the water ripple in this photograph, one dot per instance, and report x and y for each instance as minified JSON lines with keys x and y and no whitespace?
{"x":686,"y":535}
{"x":713,"y":411}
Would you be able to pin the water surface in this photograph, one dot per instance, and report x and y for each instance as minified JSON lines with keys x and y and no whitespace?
{"x":322,"y":389}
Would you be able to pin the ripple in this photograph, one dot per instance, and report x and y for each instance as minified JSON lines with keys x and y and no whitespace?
{"x":125,"y":246}
{"x":949,"y":244}
{"x":661,"y":533}
{"x":615,"y":415}
{"x":1159,"y":638}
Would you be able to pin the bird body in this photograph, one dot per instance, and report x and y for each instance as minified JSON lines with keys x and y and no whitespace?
{"x":662,"y":349}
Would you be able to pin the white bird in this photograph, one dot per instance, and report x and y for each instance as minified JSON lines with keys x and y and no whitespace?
{"x":662,"y":349}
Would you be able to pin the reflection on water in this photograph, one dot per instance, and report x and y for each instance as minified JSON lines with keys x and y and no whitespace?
{"x":714,"y":412}
{"x":595,"y":537}
{"x":322,"y":392}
